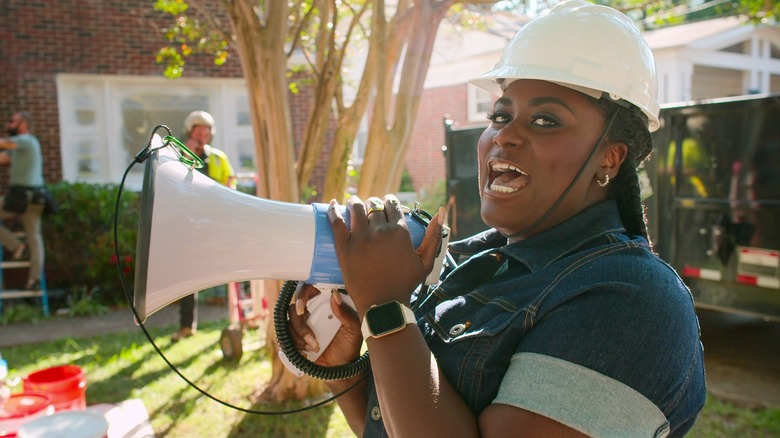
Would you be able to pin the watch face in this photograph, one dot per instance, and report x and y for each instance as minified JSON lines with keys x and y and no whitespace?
{"x":385,"y":318}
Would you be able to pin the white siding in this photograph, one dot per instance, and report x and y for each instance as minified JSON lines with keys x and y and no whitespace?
{"x":711,"y":82}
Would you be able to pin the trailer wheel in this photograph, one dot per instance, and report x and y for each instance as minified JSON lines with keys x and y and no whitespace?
{"x":231,"y":343}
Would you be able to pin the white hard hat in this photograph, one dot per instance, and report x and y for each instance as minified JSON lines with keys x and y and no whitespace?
{"x":586,"y":47}
{"x":199,"y":118}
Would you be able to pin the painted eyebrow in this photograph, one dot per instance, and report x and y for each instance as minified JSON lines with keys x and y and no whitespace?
{"x":504,"y":101}
{"x":538,"y":101}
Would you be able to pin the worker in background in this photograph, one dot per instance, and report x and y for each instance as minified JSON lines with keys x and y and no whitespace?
{"x":199,"y":130}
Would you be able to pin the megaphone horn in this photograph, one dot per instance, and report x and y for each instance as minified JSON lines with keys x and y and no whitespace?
{"x":195,"y":233}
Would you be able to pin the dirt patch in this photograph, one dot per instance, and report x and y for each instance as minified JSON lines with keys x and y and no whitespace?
{"x":742,"y":358}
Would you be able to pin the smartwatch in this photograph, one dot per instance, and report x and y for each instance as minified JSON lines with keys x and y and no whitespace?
{"x":385,"y":319}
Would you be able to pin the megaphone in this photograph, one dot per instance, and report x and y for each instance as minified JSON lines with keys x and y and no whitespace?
{"x":194,"y":233}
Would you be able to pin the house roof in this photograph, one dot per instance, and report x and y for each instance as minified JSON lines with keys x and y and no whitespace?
{"x":689,"y":33}
{"x":459,"y":56}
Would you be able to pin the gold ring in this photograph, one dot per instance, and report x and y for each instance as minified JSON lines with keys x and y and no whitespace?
{"x":374,"y":208}
{"x":376,"y":205}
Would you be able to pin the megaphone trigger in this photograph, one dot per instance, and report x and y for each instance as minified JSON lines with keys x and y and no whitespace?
{"x":322,"y":322}
{"x":441,"y":255}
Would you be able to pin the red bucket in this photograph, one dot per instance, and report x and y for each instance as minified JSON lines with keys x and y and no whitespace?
{"x":65,"y":385}
{"x":20,"y":408}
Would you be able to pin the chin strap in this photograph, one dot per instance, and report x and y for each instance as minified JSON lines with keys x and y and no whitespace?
{"x":571,"y":185}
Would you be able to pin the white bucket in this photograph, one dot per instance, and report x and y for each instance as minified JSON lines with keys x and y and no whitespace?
{"x":71,"y":424}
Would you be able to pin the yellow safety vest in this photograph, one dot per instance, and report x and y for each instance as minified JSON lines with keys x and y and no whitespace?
{"x":220,"y":169}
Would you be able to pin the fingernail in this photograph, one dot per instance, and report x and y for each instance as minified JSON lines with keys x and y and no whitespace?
{"x":337,"y":296}
{"x":300,"y":308}
{"x":442,"y":216}
{"x":311,"y":342}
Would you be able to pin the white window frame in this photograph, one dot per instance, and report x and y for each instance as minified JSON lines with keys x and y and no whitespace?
{"x":102,"y":95}
{"x":476,"y":98}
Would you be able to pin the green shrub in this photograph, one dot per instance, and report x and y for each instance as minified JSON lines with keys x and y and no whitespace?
{"x":83,"y":303}
{"x":79,"y":240}
{"x":407,"y":185}
{"x":434,"y":197}
{"x":20,"y":313}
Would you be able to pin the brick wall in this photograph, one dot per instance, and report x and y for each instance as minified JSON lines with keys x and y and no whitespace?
{"x":425,"y":160}
{"x":41,"y":38}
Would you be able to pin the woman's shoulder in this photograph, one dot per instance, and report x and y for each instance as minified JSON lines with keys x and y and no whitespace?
{"x":635,"y":257}
{"x":628,"y":264}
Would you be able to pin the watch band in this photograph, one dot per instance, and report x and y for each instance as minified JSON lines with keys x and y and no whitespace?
{"x":385,"y":319}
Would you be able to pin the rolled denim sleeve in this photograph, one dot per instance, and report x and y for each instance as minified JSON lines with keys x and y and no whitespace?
{"x":580,"y":398}
{"x":615,"y":359}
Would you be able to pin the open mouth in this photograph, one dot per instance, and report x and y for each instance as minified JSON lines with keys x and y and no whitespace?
{"x":506,"y":178}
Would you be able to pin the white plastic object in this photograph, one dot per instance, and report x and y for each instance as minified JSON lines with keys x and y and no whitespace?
{"x":322,"y":322}
{"x":5,"y":390}
{"x":3,"y":368}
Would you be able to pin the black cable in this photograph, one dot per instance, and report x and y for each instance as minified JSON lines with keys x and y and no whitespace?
{"x":140,"y":157}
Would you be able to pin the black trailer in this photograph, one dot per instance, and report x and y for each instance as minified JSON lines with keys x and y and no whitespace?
{"x":712,"y":190}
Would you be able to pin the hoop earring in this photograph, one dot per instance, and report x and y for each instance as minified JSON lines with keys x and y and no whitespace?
{"x":604,"y":182}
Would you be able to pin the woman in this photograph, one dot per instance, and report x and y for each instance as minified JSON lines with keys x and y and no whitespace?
{"x":559,"y":321}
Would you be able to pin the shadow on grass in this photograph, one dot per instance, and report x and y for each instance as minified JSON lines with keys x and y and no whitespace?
{"x":125,"y":366}
{"x":311,"y":423}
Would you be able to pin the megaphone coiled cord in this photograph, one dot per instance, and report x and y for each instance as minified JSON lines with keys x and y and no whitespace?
{"x":338,"y":372}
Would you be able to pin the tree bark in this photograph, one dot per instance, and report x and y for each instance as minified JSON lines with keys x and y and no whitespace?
{"x":412,"y":33}
{"x":260,"y":44}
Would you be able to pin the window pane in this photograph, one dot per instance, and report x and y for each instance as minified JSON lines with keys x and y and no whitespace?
{"x":480,"y":103}
{"x":143,"y":110}
{"x":84,"y":109}
{"x":88,"y":160}
{"x":484,"y":107}
{"x":242,"y":111}
{"x":246,"y":156}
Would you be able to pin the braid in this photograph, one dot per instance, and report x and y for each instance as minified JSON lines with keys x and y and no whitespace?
{"x":629,"y":128}
{"x":626,"y":191}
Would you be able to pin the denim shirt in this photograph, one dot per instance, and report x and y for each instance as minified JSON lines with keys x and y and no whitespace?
{"x":580,"y":323}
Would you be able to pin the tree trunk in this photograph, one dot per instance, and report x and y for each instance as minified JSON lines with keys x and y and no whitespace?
{"x":264,"y":63}
{"x":349,"y":119}
{"x":410,"y":34}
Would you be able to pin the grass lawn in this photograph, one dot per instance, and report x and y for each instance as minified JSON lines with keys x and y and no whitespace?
{"x":125,"y":366}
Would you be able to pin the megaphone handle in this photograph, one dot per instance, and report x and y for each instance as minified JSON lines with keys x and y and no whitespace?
{"x":438,"y":263}
{"x":322,"y":322}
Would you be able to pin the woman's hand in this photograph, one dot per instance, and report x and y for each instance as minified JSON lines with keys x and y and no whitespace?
{"x":344,"y":347}
{"x":376,"y":256}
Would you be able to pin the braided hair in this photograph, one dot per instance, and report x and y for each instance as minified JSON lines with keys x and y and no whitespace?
{"x":630,"y":128}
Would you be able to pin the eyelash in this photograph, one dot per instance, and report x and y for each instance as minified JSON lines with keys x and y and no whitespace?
{"x":547,"y":121}
{"x":493,"y":117}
